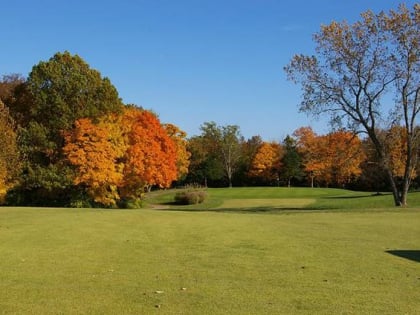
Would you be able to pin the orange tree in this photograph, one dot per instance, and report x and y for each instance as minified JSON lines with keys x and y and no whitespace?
{"x":121,"y":156}
{"x":178,"y":136}
{"x":310,"y":148}
{"x":334,"y":158}
{"x":151,"y":156}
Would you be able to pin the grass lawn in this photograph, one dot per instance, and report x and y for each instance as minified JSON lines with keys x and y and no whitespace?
{"x":236,"y":258}
{"x":275,"y":199}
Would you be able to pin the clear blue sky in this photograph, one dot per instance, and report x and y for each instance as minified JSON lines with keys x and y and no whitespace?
{"x":189,"y":61}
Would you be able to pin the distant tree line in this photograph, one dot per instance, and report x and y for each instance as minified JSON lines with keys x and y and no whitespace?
{"x":338,"y":159}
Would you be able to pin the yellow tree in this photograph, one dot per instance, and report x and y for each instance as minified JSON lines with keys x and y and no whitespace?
{"x":310,"y":147}
{"x":266,"y":164}
{"x":183,"y":155}
{"x":9,"y":155}
{"x":344,"y":156}
{"x":334,"y":158}
{"x":95,"y":151}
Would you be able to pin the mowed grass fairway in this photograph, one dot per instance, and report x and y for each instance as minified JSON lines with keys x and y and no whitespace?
{"x":330,"y":252}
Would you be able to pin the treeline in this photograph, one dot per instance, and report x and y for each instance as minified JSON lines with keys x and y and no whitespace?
{"x":68,"y":140}
{"x":221,"y":157}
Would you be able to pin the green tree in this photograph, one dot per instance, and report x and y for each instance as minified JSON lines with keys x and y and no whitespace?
{"x":291,"y":161}
{"x":62,"y":90}
{"x":355,"y":68}
{"x":249,"y":149}
{"x":224,"y":143}
{"x":204,"y":166}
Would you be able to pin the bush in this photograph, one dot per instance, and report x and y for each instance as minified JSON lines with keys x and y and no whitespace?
{"x":190,"y":197}
{"x":131,"y":204}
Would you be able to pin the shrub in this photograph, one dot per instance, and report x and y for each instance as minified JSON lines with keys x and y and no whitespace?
{"x":190,"y":197}
{"x":131,"y":204}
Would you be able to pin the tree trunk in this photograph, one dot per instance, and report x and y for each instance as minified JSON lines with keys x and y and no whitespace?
{"x":394,"y":188}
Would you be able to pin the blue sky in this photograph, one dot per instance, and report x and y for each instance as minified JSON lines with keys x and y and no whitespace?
{"x":189,"y":61}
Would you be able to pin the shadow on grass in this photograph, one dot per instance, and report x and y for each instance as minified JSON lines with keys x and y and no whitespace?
{"x":255,"y":210}
{"x":413,"y":255}
{"x":357,"y":196}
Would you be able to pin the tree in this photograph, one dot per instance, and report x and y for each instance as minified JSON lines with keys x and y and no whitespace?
{"x":9,"y":155}
{"x":96,"y":151}
{"x":151,"y":156}
{"x":183,"y":155}
{"x":58,"y":92}
{"x":8,"y":84}
{"x":248,"y":151}
{"x":15,"y":95}
{"x":291,"y":160}
{"x":225,"y":142}
{"x":357,"y":67}
{"x":205,"y":165}
{"x":310,"y":149}
{"x":65,"y":89}
{"x":265,"y":166}
{"x":344,"y":156}
{"x":334,"y":158}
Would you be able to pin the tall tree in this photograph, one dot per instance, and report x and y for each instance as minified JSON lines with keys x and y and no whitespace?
{"x":225,"y":141}
{"x":292,"y":164}
{"x":205,"y":165}
{"x":62,"y":90}
{"x":356,"y":67}
{"x":308,"y":146}
{"x":151,"y":156}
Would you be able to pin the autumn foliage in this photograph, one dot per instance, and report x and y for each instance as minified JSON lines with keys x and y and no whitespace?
{"x":96,"y":154}
{"x":121,"y":156}
{"x":334,"y":158}
{"x":178,"y":136}
{"x":266,"y":164}
{"x":151,"y":157}
{"x":9,"y":156}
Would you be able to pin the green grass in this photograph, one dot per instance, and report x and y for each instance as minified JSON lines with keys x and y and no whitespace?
{"x":275,"y":199}
{"x":68,"y":261}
